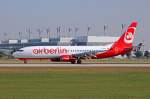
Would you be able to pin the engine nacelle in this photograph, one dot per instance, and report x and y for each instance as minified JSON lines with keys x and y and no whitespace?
{"x":64,"y":58}
{"x":67,"y":58}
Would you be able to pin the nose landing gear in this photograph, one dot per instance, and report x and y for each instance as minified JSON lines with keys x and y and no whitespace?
{"x":25,"y":61}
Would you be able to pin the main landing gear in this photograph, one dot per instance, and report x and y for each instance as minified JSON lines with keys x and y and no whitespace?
{"x":73,"y":61}
{"x":78,"y":61}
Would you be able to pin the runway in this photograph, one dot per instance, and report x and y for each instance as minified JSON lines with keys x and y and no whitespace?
{"x":74,"y":65}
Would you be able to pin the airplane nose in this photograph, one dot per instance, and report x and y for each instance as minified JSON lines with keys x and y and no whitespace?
{"x":16,"y":54}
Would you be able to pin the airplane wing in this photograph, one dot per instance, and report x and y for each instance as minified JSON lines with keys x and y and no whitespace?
{"x":90,"y":54}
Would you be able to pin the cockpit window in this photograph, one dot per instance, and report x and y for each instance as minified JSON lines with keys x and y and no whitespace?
{"x":20,"y":50}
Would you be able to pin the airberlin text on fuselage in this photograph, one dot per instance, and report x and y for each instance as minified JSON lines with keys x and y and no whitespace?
{"x":57,"y":50}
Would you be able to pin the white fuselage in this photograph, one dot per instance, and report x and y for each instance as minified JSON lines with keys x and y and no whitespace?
{"x":57,"y":51}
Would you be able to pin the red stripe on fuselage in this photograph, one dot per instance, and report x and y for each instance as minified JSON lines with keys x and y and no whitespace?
{"x":114,"y":52}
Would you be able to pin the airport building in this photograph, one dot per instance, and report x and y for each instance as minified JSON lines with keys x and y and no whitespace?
{"x":60,"y":41}
{"x":95,"y":40}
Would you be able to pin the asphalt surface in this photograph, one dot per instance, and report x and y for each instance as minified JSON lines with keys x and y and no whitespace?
{"x":74,"y":65}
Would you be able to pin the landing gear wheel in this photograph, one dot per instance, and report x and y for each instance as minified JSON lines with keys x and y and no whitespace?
{"x":73,"y":62}
{"x":25,"y":61}
{"x":79,"y":61}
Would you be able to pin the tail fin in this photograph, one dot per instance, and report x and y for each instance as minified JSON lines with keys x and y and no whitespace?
{"x":125,"y":41}
{"x":123,"y":45}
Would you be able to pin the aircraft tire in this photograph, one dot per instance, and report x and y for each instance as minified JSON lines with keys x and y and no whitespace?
{"x":79,"y":61}
{"x":25,"y":61}
{"x":73,"y":62}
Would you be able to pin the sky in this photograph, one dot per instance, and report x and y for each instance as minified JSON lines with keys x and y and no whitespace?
{"x":20,"y":15}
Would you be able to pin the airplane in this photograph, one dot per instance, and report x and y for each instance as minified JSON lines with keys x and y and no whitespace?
{"x":75,"y":54}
